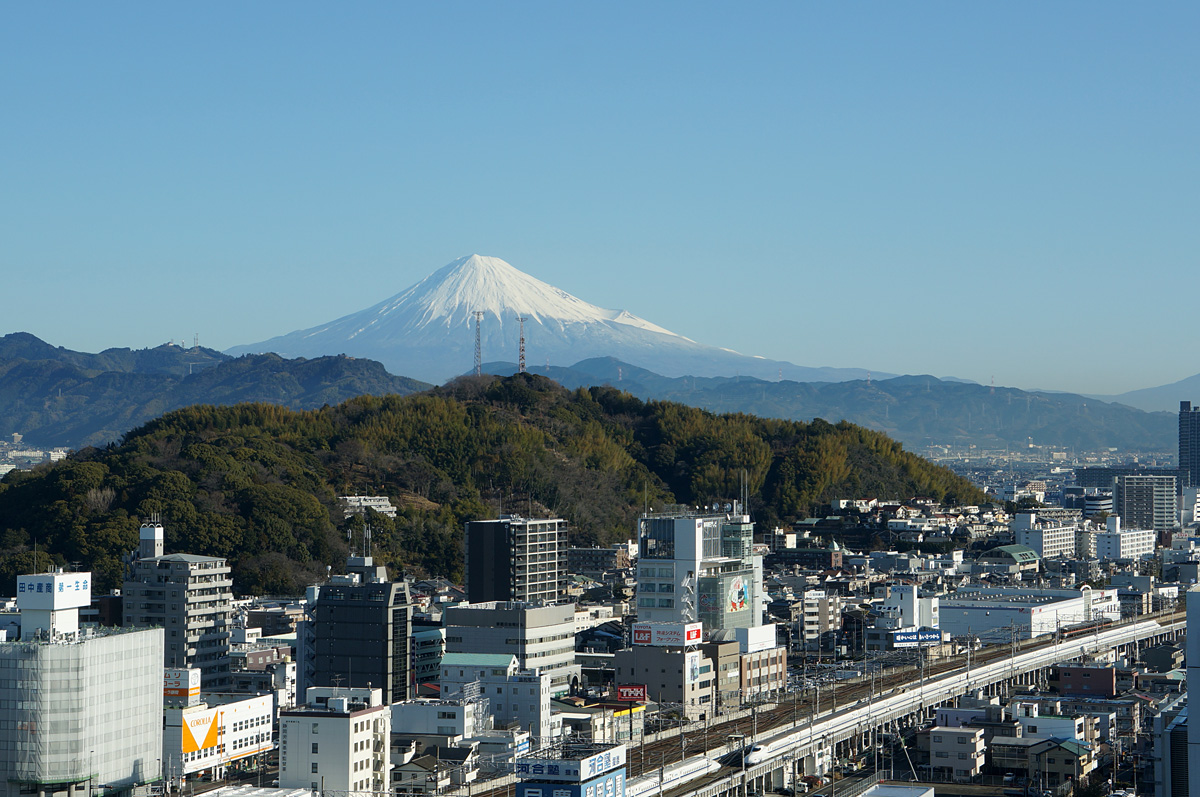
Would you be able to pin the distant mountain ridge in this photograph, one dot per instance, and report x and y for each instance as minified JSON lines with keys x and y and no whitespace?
{"x":428,"y":331}
{"x":58,"y":397}
{"x":915,"y":410}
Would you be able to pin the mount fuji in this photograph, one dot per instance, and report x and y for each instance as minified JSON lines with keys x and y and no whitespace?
{"x":428,"y":331}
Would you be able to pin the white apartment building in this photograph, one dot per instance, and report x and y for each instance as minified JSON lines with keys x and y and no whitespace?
{"x":79,"y":707}
{"x":815,"y":613}
{"x":359,"y":504}
{"x":956,"y":753}
{"x":190,"y":597}
{"x":903,"y":608}
{"x":1117,"y":543}
{"x":341,"y":741}
{"x":449,"y":720}
{"x":1048,"y":538}
{"x":515,"y":697}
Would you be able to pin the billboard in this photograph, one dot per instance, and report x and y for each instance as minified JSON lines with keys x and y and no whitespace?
{"x":691,"y":666}
{"x":667,"y":634}
{"x":912,"y":637}
{"x":54,"y":591}
{"x":200,"y":730}
{"x":632,"y":693}
{"x":181,"y":684}
{"x":572,"y":770}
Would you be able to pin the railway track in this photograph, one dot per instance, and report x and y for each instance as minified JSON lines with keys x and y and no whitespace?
{"x":711,"y":738}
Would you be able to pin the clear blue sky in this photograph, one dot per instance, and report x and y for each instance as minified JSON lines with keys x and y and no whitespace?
{"x":965,"y":189}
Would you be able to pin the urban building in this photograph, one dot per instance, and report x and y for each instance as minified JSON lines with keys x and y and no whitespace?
{"x":516,"y":559}
{"x":573,"y":770}
{"x":696,"y":566}
{"x":1147,"y":502}
{"x":542,"y":637}
{"x":1117,"y":543}
{"x":514,"y":698}
{"x":79,"y":707}
{"x":361,"y":632}
{"x":190,"y":597}
{"x":816,"y":613}
{"x":199,"y":736}
{"x":671,"y":675}
{"x":1048,"y":538}
{"x":1189,"y":444}
{"x":597,"y":561}
{"x":359,"y":504}
{"x":339,"y":741}
{"x":956,"y":754}
{"x":996,"y":614}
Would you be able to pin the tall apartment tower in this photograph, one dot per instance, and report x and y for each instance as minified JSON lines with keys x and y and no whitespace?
{"x":362,"y":632}
{"x":1146,"y":502}
{"x":516,"y":559}
{"x":81,"y":708}
{"x":1189,"y":444}
{"x":190,"y":597}
{"x":699,"y":566}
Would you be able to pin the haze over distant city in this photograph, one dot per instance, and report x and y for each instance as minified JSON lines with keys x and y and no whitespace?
{"x":953,"y":189}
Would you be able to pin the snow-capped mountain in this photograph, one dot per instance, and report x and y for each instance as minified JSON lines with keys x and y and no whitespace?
{"x":428,"y":331}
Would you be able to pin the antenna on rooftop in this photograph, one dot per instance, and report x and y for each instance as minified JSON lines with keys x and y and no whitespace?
{"x":478,"y":346}
{"x":521,"y":349}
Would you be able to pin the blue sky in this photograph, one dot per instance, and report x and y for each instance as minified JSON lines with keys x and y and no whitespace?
{"x":1004,"y":190}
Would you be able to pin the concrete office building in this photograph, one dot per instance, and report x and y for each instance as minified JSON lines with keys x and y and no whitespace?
{"x":361,"y":632}
{"x":340,"y":741}
{"x":697,"y":566}
{"x":671,"y":675}
{"x":516,"y":559}
{"x":79,"y":707}
{"x":542,"y":637}
{"x":190,"y":597}
{"x":514,"y":698}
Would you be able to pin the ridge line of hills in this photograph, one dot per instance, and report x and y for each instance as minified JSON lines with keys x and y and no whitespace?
{"x":258,"y":483}
{"x":58,"y":397}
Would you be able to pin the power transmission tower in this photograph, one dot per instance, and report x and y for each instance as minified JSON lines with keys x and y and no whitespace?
{"x":521,"y":349}
{"x":478,"y":347}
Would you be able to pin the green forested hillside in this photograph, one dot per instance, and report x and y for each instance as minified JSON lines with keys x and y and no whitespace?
{"x":258,"y":483}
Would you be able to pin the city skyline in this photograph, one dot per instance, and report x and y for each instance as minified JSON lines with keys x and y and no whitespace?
{"x":915,"y":190}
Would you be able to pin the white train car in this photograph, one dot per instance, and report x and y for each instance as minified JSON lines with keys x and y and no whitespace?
{"x":670,"y":777}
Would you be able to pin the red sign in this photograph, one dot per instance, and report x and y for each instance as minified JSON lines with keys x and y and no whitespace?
{"x":632,"y":693}
{"x":641,"y":635}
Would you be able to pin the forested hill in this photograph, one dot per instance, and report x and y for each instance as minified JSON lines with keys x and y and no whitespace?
{"x":258,"y":483}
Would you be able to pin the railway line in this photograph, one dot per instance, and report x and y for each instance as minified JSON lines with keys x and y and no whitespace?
{"x":827,"y":704}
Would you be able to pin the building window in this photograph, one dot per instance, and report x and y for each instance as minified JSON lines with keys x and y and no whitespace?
{"x":314,"y":766}
{"x":314,"y":748}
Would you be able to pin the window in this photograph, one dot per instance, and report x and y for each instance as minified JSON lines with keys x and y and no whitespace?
{"x":314,"y":748}
{"x":314,"y":766}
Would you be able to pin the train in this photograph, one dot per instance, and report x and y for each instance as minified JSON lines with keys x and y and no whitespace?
{"x":670,"y":777}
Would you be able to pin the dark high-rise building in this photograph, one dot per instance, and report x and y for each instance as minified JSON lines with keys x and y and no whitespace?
{"x":361,"y":631}
{"x":1189,"y":444}
{"x":1146,"y":502}
{"x":516,"y":559}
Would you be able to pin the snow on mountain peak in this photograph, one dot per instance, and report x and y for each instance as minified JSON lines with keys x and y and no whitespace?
{"x":450,"y":296}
